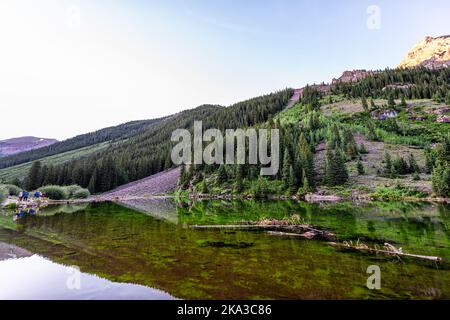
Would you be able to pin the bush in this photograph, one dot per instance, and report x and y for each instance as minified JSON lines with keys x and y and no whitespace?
{"x":11,"y":190}
{"x":71,"y":190}
{"x":55,"y":192}
{"x":3,"y":193}
{"x":81,"y":194}
{"x":11,"y":206}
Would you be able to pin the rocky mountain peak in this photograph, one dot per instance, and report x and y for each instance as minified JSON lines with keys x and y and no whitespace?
{"x":430,"y":53}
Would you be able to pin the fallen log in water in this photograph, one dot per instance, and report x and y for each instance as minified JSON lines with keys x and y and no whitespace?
{"x":306,"y":235}
{"x":389,"y":250}
{"x":301,"y":230}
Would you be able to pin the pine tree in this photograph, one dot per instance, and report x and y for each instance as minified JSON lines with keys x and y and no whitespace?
{"x":93,"y":188}
{"x":292,"y":181}
{"x":341,"y":173}
{"x":391,"y":101}
{"x":335,"y":169}
{"x":287,"y":165}
{"x":372,"y":135}
{"x":221,"y":175}
{"x":399,"y":166}
{"x":182,"y":178}
{"x":362,"y":149}
{"x":34,"y":178}
{"x":360,"y":168}
{"x":204,"y":189}
{"x":306,"y":184}
{"x":364,"y":104}
{"x":441,"y":179}
{"x":307,"y":161}
{"x":329,"y":159}
{"x":403,"y":102}
{"x":239,"y":180}
{"x":388,"y":163}
{"x":412,"y":165}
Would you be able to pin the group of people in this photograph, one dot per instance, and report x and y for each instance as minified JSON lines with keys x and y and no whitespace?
{"x":24,"y":195}
{"x":24,"y":210}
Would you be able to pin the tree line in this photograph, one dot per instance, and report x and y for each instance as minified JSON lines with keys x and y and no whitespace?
{"x":149,"y":151}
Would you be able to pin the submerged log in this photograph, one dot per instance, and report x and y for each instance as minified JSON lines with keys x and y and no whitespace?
{"x":392,"y":251}
{"x":306,"y":235}
{"x":301,"y":230}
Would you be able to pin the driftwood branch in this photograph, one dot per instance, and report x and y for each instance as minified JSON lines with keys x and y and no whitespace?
{"x":300,"y":230}
{"x":306,"y":235}
{"x":390,"y":250}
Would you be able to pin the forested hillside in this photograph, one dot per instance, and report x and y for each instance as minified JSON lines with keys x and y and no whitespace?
{"x":386,"y":135}
{"x":416,"y":83}
{"x":122,"y":131}
{"x":149,"y":151}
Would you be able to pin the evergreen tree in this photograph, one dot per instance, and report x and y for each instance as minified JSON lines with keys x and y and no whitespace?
{"x":221,"y":175}
{"x":412,"y":165}
{"x":362,"y":149}
{"x":364,"y":104}
{"x":182,"y":179}
{"x":204,"y":189}
{"x":341,"y":173}
{"x":287,"y":165}
{"x":399,"y":166}
{"x":306,"y":184}
{"x":93,"y":187}
{"x":307,"y":161}
{"x":372,"y":135}
{"x":373,"y":106}
{"x":360,"y":168}
{"x":403,"y":102}
{"x":34,"y":179}
{"x":291,"y":183}
{"x":391,"y":101}
{"x":239,"y":180}
{"x":441,"y":179}
{"x":335,"y":169}
{"x":388,"y":163}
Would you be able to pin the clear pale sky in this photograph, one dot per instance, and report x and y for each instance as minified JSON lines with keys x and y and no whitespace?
{"x":70,"y":67}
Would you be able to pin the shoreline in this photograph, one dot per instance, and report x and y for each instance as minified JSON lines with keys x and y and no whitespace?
{"x":309,"y":198}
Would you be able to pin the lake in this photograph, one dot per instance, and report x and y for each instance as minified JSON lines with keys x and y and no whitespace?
{"x":146,"y":250}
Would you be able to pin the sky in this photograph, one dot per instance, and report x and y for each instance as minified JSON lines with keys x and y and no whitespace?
{"x":71,"y":67}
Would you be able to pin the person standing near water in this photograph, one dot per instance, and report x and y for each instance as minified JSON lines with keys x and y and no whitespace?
{"x":20,"y":195}
{"x":25,"y":196}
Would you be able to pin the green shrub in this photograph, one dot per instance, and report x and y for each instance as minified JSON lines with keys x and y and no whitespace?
{"x":397,"y":193}
{"x":3,"y":193}
{"x":11,"y":206}
{"x":71,"y":190}
{"x":11,"y":190}
{"x":81,"y":194}
{"x":55,"y":192}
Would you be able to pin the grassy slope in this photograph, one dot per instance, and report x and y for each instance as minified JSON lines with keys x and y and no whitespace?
{"x":21,"y":170}
{"x":395,"y":145}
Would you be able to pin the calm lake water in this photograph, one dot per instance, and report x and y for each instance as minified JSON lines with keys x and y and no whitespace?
{"x":146,"y":250}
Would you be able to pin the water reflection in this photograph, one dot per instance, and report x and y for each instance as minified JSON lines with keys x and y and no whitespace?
{"x":38,"y":278}
{"x":125,"y":246}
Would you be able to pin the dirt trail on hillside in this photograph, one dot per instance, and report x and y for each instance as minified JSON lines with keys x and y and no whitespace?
{"x":157,"y":184}
{"x":294,"y":99}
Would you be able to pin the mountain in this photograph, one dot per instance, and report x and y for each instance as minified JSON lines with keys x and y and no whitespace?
{"x":430,"y":53}
{"x":138,"y":149}
{"x":116,"y":133}
{"x":17,"y":145}
{"x":352,"y":76}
